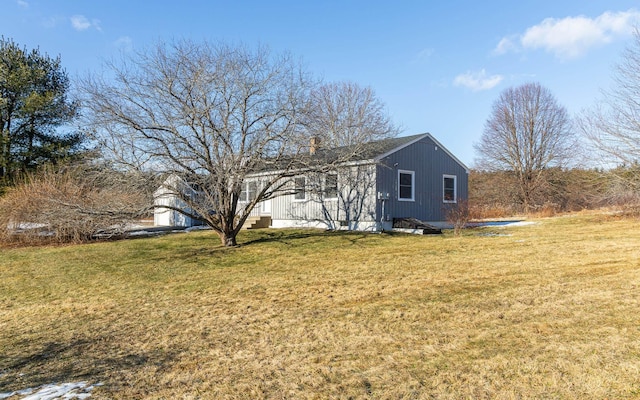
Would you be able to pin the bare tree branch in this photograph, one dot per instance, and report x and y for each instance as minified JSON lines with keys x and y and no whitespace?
{"x":613,"y":125}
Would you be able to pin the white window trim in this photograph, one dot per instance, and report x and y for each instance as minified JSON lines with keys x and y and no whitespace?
{"x":413,"y":185}
{"x":455,"y":188}
{"x":306,"y":190}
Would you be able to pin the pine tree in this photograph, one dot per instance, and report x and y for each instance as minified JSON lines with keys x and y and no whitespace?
{"x":34,"y":106}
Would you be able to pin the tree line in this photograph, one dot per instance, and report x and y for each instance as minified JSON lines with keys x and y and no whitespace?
{"x":531,"y":154}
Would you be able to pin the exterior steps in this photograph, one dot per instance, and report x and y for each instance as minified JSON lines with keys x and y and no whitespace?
{"x":257,"y":222}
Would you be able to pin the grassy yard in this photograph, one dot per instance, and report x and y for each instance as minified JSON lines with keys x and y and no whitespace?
{"x":550,"y":310}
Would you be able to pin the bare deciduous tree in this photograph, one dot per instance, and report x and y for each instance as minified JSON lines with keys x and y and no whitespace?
{"x":527,"y":132}
{"x":346,"y":114}
{"x":213,"y":115}
{"x":208,"y":113}
{"x":613,"y":125}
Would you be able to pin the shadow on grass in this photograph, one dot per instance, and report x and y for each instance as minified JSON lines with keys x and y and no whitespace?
{"x":92,"y":360}
{"x":289,"y":237}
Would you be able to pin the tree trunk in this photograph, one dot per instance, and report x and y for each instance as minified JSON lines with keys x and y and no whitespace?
{"x":228,"y":239}
{"x":4,"y":151}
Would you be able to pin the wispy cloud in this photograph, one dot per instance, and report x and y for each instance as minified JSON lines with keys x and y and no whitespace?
{"x":82,"y":23}
{"x":506,"y":45}
{"x":23,"y":3}
{"x":571,"y":37}
{"x":478,"y":80}
{"x":425,"y":54}
{"x":125,"y":43}
{"x":53,"y":21}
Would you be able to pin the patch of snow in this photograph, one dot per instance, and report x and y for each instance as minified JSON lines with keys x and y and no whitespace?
{"x":72,"y":390}
{"x":139,"y":233}
{"x":16,"y":393}
{"x":522,"y":223}
{"x":501,"y":224}
{"x":197,"y":228}
{"x":28,"y":225}
{"x":409,"y":231}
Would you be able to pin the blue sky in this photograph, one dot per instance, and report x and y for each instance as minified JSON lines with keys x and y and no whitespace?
{"x":437,"y":65}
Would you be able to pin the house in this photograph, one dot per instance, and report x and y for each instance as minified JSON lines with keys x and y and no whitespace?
{"x":404,"y":177}
{"x":392,"y":179}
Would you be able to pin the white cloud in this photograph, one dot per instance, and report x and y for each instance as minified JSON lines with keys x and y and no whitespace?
{"x":478,"y":80}
{"x":23,"y":3}
{"x":82,"y":23}
{"x":572,"y":37}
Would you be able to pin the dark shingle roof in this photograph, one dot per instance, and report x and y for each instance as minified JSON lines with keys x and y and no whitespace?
{"x":380,"y":147}
{"x":364,"y":151}
{"x":324,"y":156}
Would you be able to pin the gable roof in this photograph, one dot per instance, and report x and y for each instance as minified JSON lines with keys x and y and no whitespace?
{"x":416,"y":138}
{"x":371,"y":151}
{"x":377,"y":150}
{"x":366,"y":151}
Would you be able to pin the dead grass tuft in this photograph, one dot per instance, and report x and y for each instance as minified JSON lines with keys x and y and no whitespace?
{"x":493,"y":212}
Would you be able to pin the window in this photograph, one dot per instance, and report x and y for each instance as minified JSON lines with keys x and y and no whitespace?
{"x":252,"y":190}
{"x":243,"y":192}
{"x":299,"y":188}
{"x":406,"y":185}
{"x":249,"y":191}
{"x":449,"y":188}
{"x":331,"y":186}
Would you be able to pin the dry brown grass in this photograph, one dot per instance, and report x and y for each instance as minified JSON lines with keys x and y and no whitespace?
{"x":493,"y":212}
{"x":551,"y":311}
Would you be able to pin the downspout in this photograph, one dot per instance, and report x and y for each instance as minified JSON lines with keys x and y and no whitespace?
{"x":382,"y":215}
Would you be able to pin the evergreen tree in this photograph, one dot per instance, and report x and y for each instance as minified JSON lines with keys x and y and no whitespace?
{"x":34,"y":105}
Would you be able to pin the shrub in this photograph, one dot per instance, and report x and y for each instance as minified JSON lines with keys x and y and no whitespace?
{"x":71,"y":204}
{"x":459,"y":215}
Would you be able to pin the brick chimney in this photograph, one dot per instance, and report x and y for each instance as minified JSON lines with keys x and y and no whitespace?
{"x":314,"y":144}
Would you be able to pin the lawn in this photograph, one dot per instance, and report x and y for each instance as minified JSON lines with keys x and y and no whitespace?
{"x":550,"y":310}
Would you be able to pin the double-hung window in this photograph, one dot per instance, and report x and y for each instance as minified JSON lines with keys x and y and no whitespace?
{"x":299,"y":188}
{"x":449,"y":194}
{"x":252,"y":190}
{"x":249,"y":191}
{"x":406,"y":185}
{"x":331,"y":186}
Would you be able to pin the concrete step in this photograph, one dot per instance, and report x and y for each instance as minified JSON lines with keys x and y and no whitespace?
{"x":257,"y":222}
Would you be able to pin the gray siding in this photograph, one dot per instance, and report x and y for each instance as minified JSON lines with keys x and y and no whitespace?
{"x":359,"y":203}
{"x":430,"y":163}
{"x":354,"y":204}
